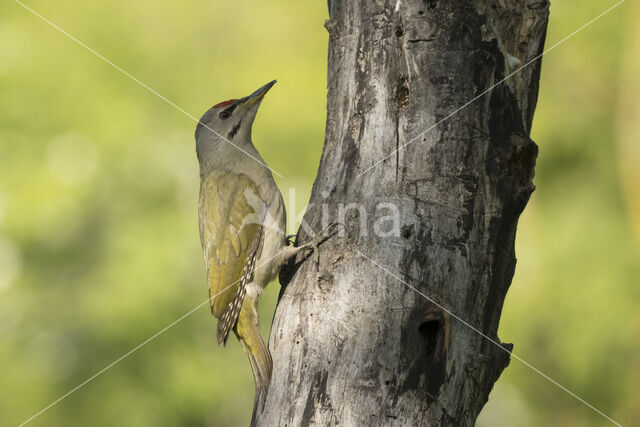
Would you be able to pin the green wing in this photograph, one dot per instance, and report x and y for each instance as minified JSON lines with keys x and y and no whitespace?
{"x":229,"y":223}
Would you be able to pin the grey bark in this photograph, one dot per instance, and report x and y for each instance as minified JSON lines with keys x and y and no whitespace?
{"x":351,"y":343}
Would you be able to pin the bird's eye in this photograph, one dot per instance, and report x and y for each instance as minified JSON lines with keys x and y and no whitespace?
{"x":224,"y":115}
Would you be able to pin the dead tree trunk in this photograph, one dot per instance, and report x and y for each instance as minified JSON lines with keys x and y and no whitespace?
{"x":352,"y":342}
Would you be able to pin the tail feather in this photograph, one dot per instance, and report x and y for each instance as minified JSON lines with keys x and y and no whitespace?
{"x":248,"y":332}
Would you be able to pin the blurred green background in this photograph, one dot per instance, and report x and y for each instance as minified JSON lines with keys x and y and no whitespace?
{"x":99,"y":246}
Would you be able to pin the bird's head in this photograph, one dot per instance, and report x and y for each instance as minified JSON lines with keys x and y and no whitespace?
{"x":229,"y":123}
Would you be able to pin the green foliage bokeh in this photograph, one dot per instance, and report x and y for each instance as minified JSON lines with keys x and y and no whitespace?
{"x":99,"y":246}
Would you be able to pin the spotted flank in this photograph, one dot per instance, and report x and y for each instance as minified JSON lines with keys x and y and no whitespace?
{"x":230,"y":316}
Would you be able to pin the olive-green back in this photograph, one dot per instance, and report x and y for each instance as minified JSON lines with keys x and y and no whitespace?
{"x":228,"y":225}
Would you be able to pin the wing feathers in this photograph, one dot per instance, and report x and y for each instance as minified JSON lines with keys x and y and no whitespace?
{"x":230,"y":316}
{"x":227,"y":234}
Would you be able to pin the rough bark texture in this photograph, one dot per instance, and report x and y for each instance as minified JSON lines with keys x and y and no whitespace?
{"x":352,"y":344}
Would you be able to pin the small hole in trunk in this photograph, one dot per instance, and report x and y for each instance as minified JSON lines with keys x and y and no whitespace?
{"x":430,"y":332}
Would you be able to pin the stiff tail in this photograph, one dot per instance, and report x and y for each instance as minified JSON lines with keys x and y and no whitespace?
{"x":248,"y":332}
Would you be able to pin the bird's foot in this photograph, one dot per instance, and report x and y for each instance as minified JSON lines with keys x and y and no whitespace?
{"x":291,"y":239}
{"x":330,"y":231}
{"x":327,"y":233}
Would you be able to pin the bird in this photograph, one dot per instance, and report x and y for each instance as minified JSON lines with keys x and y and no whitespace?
{"x":242,"y":223}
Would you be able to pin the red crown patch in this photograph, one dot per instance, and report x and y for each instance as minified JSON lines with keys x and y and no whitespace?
{"x":224,"y":103}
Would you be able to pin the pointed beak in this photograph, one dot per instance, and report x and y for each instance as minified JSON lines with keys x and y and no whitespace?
{"x":256,"y":97}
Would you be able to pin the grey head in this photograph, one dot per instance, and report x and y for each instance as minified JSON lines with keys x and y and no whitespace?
{"x":226,"y":127}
